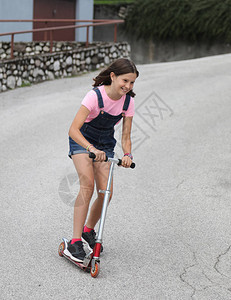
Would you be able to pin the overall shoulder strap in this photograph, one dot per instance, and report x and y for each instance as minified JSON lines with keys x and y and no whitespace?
{"x":100,"y":99}
{"x":126,"y":102}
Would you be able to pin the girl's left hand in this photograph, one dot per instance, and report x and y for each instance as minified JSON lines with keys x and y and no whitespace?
{"x":126,"y":161}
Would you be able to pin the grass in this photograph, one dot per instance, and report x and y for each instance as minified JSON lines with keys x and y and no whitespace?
{"x":25,"y":84}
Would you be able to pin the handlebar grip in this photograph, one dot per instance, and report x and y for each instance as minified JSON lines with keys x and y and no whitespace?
{"x":92,"y":155}
{"x":132,"y":166}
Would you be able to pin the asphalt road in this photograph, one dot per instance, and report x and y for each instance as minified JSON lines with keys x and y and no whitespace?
{"x":167,"y":234}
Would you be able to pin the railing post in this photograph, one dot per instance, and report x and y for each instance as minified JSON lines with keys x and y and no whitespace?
{"x":87,"y":40}
{"x":115,"y":33}
{"x":45,"y":33}
{"x":12,"y":46}
{"x":51,"y":41}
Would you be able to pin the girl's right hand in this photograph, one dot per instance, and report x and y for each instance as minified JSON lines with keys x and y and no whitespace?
{"x":100,"y":155}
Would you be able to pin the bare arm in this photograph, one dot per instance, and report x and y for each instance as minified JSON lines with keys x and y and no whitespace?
{"x":126,"y":140}
{"x":74,"y":131}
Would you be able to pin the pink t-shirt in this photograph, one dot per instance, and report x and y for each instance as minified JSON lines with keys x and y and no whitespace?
{"x":113,"y":107}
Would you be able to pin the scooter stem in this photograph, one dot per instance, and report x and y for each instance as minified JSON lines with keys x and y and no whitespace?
{"x":107,"y":193}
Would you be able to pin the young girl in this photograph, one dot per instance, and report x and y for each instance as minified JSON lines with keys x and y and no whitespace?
{"x":93,"y":131}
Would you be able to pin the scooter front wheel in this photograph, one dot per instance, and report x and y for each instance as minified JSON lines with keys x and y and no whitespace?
{"x":95,"y":270}
{"x":61,"y":249}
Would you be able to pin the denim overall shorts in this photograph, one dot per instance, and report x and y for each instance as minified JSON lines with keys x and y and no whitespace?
{"x":100,"y":131}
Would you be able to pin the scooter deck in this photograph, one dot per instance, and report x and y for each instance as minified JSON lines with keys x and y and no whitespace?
{"x":85,"y":266}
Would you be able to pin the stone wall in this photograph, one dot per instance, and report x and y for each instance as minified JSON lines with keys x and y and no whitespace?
{"x":34,"y":63}
{"x":34,"y":48}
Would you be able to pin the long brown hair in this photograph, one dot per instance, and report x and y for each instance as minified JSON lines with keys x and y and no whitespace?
{"x":119,"y":67}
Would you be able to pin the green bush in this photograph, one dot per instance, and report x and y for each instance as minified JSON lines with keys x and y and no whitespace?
{"x":192,"y":20}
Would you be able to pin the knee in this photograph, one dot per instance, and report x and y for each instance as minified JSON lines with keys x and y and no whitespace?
{"x":87,"y":190}
{"x":87,"y":183}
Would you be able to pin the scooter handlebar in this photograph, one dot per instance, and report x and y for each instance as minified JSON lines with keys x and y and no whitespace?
{"x":92,"y":155}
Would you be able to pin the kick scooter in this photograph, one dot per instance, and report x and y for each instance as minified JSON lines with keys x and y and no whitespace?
{"x":91,"y":262}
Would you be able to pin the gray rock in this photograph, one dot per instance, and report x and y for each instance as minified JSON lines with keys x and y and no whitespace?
{"x":11,"y":81}
{"x":38,"y":72}
{"x":74,"y":71}
{"x":46,"y":49}
{"x":88,"y":60}
{"x":37,"y":62}
{"x":38,"y":48}
{"x":106,"y":60}
{"x":56,"y":65}
{"x":25,"y":74}
{"x":19,"y":82}
{"x":95,"y":60}
{"x":113,"y":49}
{"x":82,"y":55}
{"x":69,"y":61}
{"x":50,"y":75}
{"x":8,"y":51}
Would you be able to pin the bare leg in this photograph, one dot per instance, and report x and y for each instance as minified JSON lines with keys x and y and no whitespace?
{"x":84,"y":168}
{"x":101,"y":171}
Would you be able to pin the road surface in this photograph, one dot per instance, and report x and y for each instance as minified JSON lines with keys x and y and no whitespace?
{"x":168,"y":229}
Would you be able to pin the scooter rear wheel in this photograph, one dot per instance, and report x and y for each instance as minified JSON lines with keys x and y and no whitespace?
{"x":95,"y":270}
{"x":61,"y":249}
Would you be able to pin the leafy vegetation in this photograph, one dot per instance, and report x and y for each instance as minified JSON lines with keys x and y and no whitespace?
{"x":192,"y":20}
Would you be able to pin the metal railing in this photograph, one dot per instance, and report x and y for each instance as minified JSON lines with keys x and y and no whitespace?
{"x":50,"y":30}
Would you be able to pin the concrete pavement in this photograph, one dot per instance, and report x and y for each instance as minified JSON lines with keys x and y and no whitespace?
{"x":167,"y":234}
